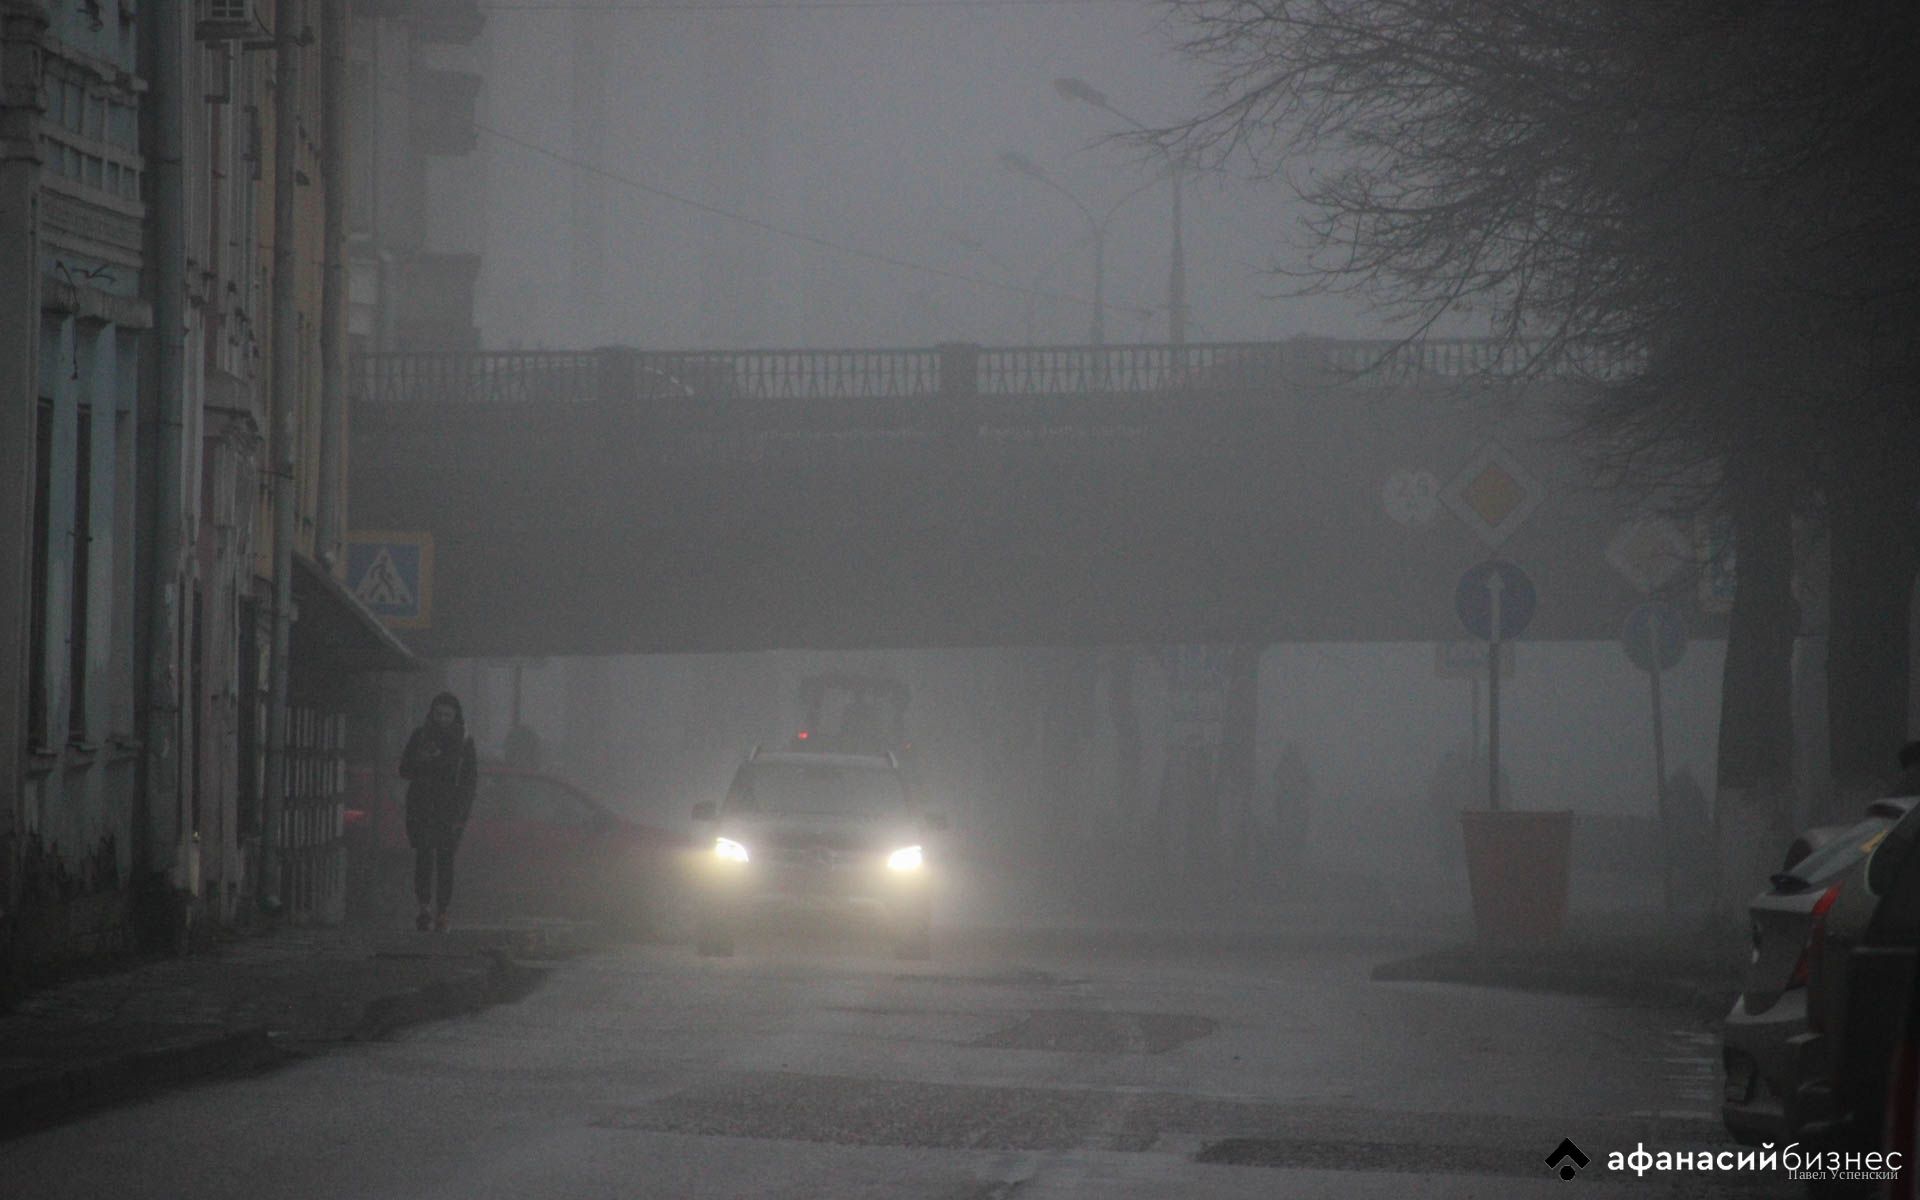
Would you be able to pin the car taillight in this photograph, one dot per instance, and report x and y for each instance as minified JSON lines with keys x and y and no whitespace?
{"x":1816,"y":938}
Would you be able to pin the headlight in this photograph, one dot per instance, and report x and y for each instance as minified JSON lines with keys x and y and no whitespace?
{"x":906,"y":858}
{"x":729,"y":850}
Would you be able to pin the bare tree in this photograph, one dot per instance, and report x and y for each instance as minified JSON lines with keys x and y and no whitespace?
{"x":1707,"y":208}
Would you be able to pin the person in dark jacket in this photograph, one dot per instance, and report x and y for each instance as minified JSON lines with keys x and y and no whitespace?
{"x":438,"y":765}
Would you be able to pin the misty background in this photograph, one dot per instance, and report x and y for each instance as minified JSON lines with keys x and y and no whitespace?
{"x":620,"y":149}
{"x":876,"y":127}
{"x":652,"y":735}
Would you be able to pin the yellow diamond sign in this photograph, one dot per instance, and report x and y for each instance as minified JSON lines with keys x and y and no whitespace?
{"x":1493,"y":494}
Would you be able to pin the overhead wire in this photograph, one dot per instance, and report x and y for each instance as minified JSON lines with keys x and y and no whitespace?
{"x":813,"y":239}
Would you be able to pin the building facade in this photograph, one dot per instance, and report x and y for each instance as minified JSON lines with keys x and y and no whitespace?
{"x":146,"y":397}
{"x":75,"y":323}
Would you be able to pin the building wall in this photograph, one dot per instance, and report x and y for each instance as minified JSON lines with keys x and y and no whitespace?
{"x":73,"y":223}
{"x":79,"y":476}
{"x":417,"y":217}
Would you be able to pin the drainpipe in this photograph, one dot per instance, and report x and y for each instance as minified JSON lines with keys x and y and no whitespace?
{"x":161,"y":825}
{"x":285,"y":396}
{"x":333,"y":294}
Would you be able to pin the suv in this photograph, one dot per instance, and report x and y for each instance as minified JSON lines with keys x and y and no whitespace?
{"x":841,"y":833}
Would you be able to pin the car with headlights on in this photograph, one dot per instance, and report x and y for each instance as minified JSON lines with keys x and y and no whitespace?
{"x":840,"y":834}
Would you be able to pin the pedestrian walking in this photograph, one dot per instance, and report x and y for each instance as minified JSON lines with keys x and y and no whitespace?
{"x":438,"y":765}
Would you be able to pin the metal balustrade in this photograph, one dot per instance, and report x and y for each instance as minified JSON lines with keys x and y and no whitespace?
{"x":511,"y":377}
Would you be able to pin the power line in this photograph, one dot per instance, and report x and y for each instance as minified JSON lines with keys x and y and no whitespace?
{"x":801,"y":235}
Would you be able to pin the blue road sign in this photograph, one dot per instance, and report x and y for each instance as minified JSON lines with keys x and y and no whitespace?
{"x":1490,"y":587}
{"x":1654,"y":623}
{"x":392,"y":574}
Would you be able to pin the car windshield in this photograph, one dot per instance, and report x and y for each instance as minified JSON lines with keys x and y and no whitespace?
{"x":1841,"y":853}
{"x":818,"y":790}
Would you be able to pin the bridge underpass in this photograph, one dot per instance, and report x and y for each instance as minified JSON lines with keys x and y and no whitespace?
{"x":620,"y":501}
{"x":617,"y":502}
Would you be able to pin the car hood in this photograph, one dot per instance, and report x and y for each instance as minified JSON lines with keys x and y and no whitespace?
{"x":819,"y":833}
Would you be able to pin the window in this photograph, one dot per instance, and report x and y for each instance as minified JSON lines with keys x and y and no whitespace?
{"x":37,"y":579}
{"x":77,"y":597}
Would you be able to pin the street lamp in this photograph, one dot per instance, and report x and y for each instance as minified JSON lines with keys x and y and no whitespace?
{"x":1020,"y":164}
{"x":1086,"y":93}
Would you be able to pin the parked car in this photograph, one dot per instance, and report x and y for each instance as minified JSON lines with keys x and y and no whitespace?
{"x":1902,"y":1125}
{"x":1776,"y":1060}
{"x":842,"y":834}
{"x":1861,"y":988}
{"x":535,"y":845}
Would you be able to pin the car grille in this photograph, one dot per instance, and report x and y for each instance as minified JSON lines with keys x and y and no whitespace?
{"x":815,"y":857}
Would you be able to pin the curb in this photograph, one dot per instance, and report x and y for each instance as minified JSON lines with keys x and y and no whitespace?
{"x":101,"y":1083}
{"x":1705,"y":997}
{"x":88,"y":1087}
{"x":503,"y":980}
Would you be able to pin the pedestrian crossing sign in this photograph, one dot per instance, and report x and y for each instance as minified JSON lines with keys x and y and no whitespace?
{"x":392,"y":574}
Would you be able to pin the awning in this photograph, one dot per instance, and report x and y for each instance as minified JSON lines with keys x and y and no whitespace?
{"x":335,"y":634}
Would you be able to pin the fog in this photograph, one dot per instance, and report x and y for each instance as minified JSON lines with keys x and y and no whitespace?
{"x":653,"y":735}
{"x":872,"y":130}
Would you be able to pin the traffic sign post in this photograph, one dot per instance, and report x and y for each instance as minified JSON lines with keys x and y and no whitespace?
{"x":1495,"y":601}
{"x":1655,"y":638}
{"x":1517,"y":862}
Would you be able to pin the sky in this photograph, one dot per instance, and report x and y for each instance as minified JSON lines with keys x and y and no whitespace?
{"x":878,"y":130}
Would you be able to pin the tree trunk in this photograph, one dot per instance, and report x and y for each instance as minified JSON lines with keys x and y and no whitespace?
{"x":1755,"y":770}
{"x":1871,"y":528}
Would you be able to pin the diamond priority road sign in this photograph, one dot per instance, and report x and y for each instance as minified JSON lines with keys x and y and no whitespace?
{"x":1493,"y":495}
{"x":1650,"y":552}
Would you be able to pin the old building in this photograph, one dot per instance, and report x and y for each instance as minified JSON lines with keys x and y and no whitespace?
{"x":172,"y":445}
{"x":75,"y":329}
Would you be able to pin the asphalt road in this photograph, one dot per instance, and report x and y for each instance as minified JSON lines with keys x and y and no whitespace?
{"x":1010,"y":1066}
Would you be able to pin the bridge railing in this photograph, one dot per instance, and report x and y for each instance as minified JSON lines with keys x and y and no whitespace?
{"x":949,"y":370}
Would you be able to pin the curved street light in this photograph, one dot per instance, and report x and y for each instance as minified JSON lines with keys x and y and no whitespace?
{"x":1086,"y":93}
{"x":1020,"y":164}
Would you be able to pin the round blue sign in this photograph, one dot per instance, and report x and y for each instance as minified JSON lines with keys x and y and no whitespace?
{"x":1654,"y":624}
{"x":1495,"y":591}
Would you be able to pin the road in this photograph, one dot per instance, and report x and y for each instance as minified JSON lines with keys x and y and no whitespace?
{"x":1012,"y":1066}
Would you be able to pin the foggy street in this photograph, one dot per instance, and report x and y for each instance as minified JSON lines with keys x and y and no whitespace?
{"x":1279,"y":598}
{"x":1012,"y":1065}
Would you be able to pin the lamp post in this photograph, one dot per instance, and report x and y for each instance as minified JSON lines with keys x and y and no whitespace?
{"x":1086,"y":93}
{"x":1020,"y":164}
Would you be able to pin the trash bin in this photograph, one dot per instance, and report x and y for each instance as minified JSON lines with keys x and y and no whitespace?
{"x":1517,"y":869}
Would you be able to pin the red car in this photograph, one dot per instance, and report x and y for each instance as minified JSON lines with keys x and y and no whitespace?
{"x":535,"y":846}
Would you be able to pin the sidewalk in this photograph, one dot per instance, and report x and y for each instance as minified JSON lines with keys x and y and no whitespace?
{"x":1641,"y":958}
{"x":248,"y":1004}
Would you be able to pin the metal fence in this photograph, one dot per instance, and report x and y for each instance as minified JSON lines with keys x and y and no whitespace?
{"x":504,"y":377}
